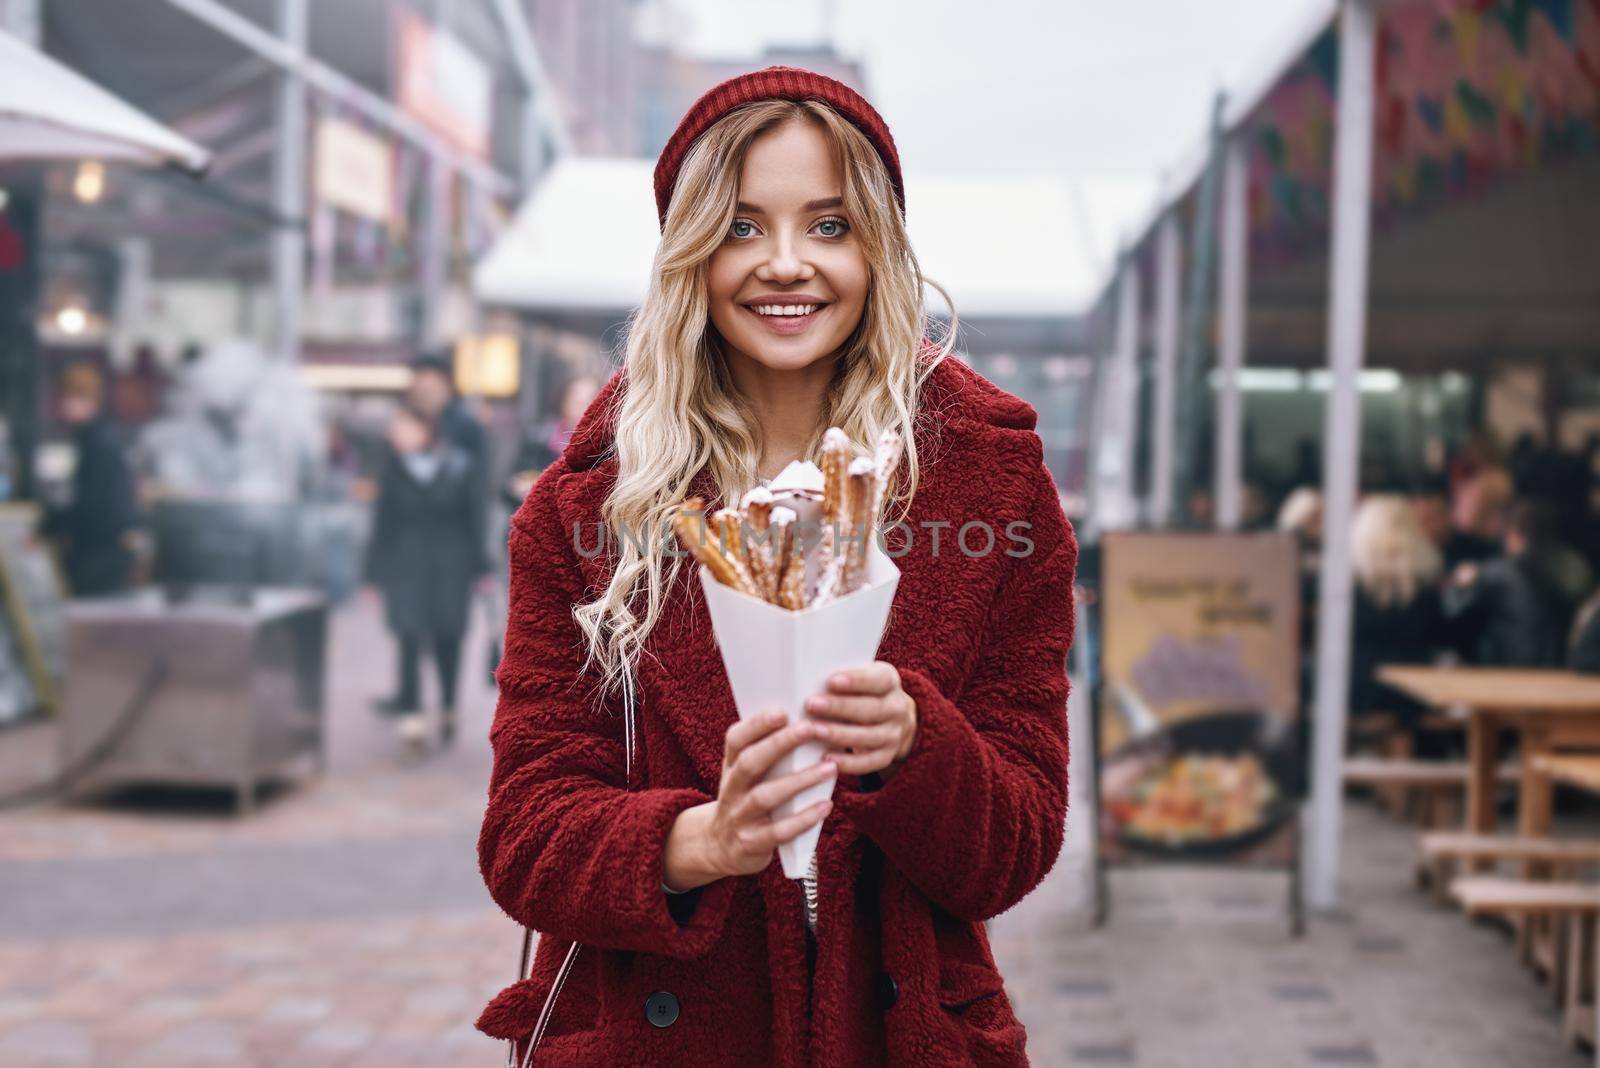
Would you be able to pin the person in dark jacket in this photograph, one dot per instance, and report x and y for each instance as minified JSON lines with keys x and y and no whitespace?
{"x":1515,"y":610}
{"x":426,"y":555}
{"x":90,"y":530}
{"x":1396,"y":610}
{"x":1477,"y":516}
{"x":433,"y":394}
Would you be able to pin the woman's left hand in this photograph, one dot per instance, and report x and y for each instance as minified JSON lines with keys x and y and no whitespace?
{"x":868,"y":721}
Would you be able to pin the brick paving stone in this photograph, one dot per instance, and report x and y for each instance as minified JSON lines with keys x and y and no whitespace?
{"x":200,"y":1040}
{"x":337,"y":1035}
{"x":297,"y":1010}
{"x":47,"y":1041}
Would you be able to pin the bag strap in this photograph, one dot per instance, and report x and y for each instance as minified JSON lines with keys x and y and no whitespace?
{"x":629,"y":702}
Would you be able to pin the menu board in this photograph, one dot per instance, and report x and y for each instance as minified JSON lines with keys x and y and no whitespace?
{"x":1200,"y":754}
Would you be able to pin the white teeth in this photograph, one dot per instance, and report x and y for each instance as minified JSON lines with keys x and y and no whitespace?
{"x":784,"y":309}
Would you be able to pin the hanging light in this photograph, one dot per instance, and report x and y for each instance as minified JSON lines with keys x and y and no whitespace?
{"x":72,"y":320}
{"x":89,"y":184}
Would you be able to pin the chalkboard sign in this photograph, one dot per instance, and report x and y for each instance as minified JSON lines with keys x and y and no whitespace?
{"x":32,"y":618}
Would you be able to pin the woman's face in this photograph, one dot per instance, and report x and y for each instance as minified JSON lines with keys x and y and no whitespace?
{"x":789,"y":283}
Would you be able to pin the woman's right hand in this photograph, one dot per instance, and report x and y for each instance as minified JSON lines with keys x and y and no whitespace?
{"x":737,"y":833}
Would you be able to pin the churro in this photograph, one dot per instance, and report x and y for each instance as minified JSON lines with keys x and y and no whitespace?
{"x":835,"y":458}
{"x":725,"y":568}
{"x":791,"y":569}
{"x":761,"y":548}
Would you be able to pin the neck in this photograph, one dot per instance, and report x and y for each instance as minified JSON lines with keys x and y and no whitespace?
{"x":788,"y":405}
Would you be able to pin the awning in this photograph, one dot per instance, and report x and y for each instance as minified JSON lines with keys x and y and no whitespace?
{"x":1005,"y":247}
{"x":49,"y":111}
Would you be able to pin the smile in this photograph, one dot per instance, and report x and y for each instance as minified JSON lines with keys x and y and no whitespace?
{"x":784,"y":309}
{"x":787,"y":319}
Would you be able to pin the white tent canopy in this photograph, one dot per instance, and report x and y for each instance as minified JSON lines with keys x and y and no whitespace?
{"x":585,"y":238}
{"x":49,"y":111}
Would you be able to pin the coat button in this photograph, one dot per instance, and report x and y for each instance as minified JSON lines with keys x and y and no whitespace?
{"x":661,"y":1009}
{"x":887,"y":989}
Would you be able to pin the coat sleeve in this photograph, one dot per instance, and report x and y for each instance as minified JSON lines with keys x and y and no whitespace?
{"x":373,"y":568}
{"x":565,"y":847}
{"x":975,"y":815}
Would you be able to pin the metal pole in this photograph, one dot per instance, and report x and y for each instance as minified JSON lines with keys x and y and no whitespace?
{"x":433,"y":253}
{"x":1169,"y":249}
{"x":21,"y":283}
{"x":1347,"y":325}
{"x":1125,"y":394}
{"x":1192,"y":393}
{"x":289,"y":182}
{"x":1231,"y":327}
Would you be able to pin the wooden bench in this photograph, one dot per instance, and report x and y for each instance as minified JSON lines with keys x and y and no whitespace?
{"x":1549,"y":858}
{"x":1570,"y":908}
{"x":1436,"y":789}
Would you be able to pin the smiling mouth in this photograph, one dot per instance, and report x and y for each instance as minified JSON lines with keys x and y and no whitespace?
{"x":785,"y":311}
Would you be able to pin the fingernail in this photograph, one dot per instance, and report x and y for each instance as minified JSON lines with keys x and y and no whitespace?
{"x":817,"y":704}
{"x":839,"y":680}
{"x":821,"y":729}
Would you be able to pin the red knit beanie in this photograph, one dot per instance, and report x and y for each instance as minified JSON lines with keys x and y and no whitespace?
{"x":774,"y":83}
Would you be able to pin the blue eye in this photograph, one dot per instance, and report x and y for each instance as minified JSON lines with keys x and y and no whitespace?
{"x":741,"y":228}
{"x":833,"y":226}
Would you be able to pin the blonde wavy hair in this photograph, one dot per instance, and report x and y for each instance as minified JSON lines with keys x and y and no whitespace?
{"x":1392,"y":555}
{"x":681,"y":411}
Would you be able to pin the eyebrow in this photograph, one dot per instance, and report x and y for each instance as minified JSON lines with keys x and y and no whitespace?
{"x":810,"y":205}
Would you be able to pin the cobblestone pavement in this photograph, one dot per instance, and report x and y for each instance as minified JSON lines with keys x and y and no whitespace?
{"x":344,"y":924}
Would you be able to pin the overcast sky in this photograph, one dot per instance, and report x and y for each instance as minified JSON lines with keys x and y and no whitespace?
{"x":1110,"y":94}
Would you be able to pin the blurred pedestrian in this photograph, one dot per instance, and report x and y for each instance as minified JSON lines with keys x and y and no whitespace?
{"x":91,"y":530}
{"x":1515,"y":609}
{"x":1301,"y":515}
{"x":1477,"y":517}
{"x":433,"y":395}
{"x":1397,"y":616}
{"x":1200,"y":510}
{"x":548,"y":440}
{"x":1431,"y":503}
{"x":426,"y":555}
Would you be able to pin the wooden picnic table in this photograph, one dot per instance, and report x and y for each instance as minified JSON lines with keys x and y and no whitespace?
{"x":1551,"y":709}
{"x":1580,"y":770}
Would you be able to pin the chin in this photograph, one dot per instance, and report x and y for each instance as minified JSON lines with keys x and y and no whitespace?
{"x":781,"y":357}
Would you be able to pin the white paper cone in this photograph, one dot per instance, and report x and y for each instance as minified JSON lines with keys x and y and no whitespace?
{"x":776,"y":658}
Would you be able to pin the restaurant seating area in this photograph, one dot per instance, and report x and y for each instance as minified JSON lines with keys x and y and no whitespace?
{"x":1488,"y":840}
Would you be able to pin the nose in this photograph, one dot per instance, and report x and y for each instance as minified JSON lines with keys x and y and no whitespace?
{"x":784,"y":264}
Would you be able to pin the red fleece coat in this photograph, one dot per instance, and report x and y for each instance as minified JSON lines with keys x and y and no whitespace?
{"x":908,"y":870}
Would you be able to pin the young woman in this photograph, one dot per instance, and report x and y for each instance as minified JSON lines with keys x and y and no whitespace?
{"x":785,"y":300}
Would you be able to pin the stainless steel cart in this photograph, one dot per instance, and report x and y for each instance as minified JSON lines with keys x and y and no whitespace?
{"x":205,"y":692}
